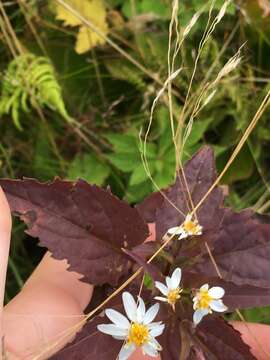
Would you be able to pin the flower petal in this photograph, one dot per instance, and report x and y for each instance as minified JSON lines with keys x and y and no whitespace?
{"x":188,"y":217}
{"x":169,"y":283}
{"x":140,"y":310}
{"x":126,"y":351}
{"x":217,"y":305}
{"x":176,"y":277}
{"x":130,"y":306}
{"x":157,"y":330}
{"x":155,"y":344}
{"x":151,"y":314}
{"x":205,"y":287}
{"x":174,"y":230}
{"x":162,"y":288}
{"x":153,"y":324}
{"x":216,"y":292}
{"x":198,"y":315}
{"x":183,"y":235}
{"x":149,"y":350}
{"x":112,"y":330}
{"x":160,"y":298}
{"x":117,"y":318}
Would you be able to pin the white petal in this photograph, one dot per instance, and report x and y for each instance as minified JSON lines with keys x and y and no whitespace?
{"x":149,"y":350}
{"x":188,"y":217}
{"x":157,"y":330}
{"x":140,"y":310}
{"x":117,"y":318}
{"x":205,"y":287}
{"x":151,"y":314}
{"x":112,"y":330}
{"x":155,"y":344}
{"x":169,"y":282}
{"x":183,"y":235}
{"x":162,"y":288}
{"x":126,"y":351}
{"x":175,"y":230}
{"x":153,"y":324}
{"x":198,"y":315}
{"x":130,"y":306}
{"x":176,"y":277}
{"x":160,"y":298}
{"x":216,"y":292}
{"x":217,"y":305}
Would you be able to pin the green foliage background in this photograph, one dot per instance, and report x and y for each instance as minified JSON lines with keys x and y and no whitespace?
{"x":79,"y":116}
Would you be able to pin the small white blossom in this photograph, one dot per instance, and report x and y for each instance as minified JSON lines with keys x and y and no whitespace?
{"x":206,"y":301}
{"x":171,"y":292}
{"x":137,"y":329}
{"x":190,"y":227}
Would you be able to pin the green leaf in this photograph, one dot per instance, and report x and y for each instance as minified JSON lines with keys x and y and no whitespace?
{"x":88,"y":167}
{"x":123,"y":143}
{"x":197,"y":132}
{"x":157,"y":7}
{"x":166,"y":175}
{"x":125,"y":162}
{"x":148,"y":281}
{"x":241,"y":168}
{"x":139,"y":174}
{"x":136,"y":193}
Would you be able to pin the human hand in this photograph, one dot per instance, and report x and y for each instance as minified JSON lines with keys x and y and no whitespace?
{"x":53,"y":300}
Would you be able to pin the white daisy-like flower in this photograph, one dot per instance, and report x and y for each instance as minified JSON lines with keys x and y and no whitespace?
{"x":171,"y":292}
{"x":190,"y":227}
{"x":137,"y":329}
{"x":206,"y":301}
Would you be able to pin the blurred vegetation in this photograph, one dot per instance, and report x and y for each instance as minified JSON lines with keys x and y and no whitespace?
{"x":76,"y":92}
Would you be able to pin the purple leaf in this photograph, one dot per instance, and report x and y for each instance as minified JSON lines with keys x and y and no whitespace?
{"x":79,"y":222}
{"x":200,"y":174}
{"x":241,"y":251}
{"x":221,"y":341}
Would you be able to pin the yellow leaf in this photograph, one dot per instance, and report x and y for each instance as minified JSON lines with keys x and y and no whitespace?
{"x":87,"y":39}
{"x":92,"y":10}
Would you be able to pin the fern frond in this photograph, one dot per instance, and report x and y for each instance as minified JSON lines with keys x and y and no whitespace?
{"x":29,"y":81}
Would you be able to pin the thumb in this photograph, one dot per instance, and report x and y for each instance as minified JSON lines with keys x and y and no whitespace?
{"x":5,"y":231}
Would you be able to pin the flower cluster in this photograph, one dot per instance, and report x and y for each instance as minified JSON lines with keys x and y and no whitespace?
{"x":190,"y":227}
{"x":137,"y":329}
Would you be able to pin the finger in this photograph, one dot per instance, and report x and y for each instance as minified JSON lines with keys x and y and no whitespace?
{"x":257,"y":337}
{"x":5,"y":231}
{"x":152,"y":231}
{"x":55,"y":272}
{"x":138,"y":355}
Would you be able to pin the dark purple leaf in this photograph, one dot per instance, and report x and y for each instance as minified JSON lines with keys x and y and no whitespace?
{"x":90,"y":344}
{"x":220,"y":341}
{"x":79,"y":222}
{"x":200,"y":174}
{"x":170,"y":340}
{"x":241,"y":251}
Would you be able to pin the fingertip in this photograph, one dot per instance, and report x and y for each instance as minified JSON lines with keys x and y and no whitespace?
{"x":5,"y":213}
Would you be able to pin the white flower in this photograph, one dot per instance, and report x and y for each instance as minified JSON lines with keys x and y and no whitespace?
{"x":190,"y":227}
{"x":206,"y":301}
{"x":172,"y":291}
{"x":137,"y":329}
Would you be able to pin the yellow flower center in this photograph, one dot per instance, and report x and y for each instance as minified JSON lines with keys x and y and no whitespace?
{"x":138,"y":334}
{"x":174,"y":295}
{"x":191,"y":227}
{"x":204,"y":300}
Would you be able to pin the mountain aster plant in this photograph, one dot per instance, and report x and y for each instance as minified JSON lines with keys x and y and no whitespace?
{"x":195,"y":279}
